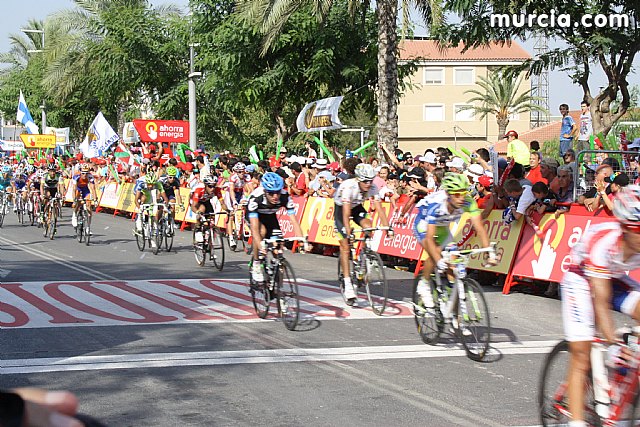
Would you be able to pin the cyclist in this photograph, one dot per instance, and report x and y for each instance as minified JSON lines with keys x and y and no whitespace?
{"x":264,"y":202}
{"x":50,"y":185}
{"x":19,"y":186}
{"x":5,"y":179}
{"x":205,"y":200}
{"x":171,"y":185}
{"x":431,"y":227}
{"x":235,"y":191}
{"x":596,"y":282}
{"x":148,"y":194}
{"x":83,"y":187}
{"x":348,"y":199}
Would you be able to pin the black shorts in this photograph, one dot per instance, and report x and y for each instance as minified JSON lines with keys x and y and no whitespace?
{"x":51,"y":192}
{"x":358,"y":213}
{"x":271,"y":224}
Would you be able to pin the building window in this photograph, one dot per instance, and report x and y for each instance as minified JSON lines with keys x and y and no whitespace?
{"x":433,"y":76}
{"x":464,"y":76}
{"x":434,"y":112}
{"x":462,"y":115}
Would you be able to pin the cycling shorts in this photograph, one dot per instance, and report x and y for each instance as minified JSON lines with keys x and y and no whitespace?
{"x":270,"y":222}
{"x":51,"y":192}
{"x":84,"y":192}
{"x":358,"y":213}
{"x":577,"y":304}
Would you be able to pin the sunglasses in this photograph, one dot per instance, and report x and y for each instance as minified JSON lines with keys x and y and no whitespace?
{"x":211,"y":186}
{"x":635,"y":229}
{"x":272,"y":193}
{"x":458,"y":193}
{"x":367,"y":181}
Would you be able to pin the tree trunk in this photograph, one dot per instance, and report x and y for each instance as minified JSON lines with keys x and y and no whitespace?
{"x":388,"y":74}
{"x":502,"y":127}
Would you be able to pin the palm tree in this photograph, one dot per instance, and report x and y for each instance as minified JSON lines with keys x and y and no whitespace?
{"x":499,"y":96}
{"x":18,"y":55}
{"x":273,"y":15}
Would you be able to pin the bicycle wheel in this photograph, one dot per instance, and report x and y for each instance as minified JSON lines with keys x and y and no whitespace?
{"x":260,"y":295}
{"x":157,"y":234}
{"x":199,"y":249}
{"x":80,"y":227}
{"x":169,"y":233}
{"x":46,"y":224}
{"x":375,"y":282}
{"x":87,"y":228}
{"x":141,"y":239}
{"x":474,"y":328}
{"x":288,"y":297}
{"x":552,"y":400}
{"x":3,"y":211}
{"x":53,"y":223}
{"x":430,"y":322}
{"x":217,"y":249}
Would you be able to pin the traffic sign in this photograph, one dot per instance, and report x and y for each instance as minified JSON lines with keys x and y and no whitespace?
{"x":38,"y":141}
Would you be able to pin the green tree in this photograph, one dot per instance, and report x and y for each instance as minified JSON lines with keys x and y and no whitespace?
{"x":307,"y":60}
{"x":273,"y":17}
{"x":611,"y":48}
{"x":499,"y":96}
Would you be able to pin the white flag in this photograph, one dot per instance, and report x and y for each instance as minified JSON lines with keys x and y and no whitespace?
{"x":99,"y":137}
{"x":24,"y":116}
{"x":320,"y":115}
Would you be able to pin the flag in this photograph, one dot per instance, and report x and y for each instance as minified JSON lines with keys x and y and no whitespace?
{"x":99,"y":138}
{"x":122,"y":154}
{"x":253,"y":154}
{"x":24,"y":116}
{"x":320,"y":115}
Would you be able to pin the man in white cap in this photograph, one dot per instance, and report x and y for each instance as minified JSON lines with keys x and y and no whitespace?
{"x":317,"y":167}
{"x":474,"y":172}
{"x":456,"y":165}
{"x":429,"y":162}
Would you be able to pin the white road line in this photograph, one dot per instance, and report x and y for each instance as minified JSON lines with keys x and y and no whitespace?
{"x":240,"y":357}
{"x":57,"y":260}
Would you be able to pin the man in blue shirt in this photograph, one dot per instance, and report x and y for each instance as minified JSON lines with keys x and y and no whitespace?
{"x":567,"y":130}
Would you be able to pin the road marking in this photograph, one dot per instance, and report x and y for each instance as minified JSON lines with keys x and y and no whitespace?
{"x":242,"y":357}
{"x":57,"y":260}
{"x":4,"y":273}
{"x":163,"y":301}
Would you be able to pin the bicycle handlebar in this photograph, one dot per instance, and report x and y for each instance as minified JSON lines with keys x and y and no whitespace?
{"x":466,"y":252}
{"x":284,"y":239}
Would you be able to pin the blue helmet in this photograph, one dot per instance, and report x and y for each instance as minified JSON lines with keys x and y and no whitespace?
{"x":6,"y":169}
{"x":272,"y":182}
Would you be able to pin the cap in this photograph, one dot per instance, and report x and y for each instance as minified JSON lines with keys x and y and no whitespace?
{"x":428,"y":158}
{"x":550,"y":161}
{"x":283,"y":149}
{"x":333,"y":166}
{"x":511,"y":133}
{"x":456,"y":162}
{"x":474,"y":172}
{"x":417,"y":173}
{"x":320,"y":164}
{"x":343,"y":176}
{"x":326,"y":175}
{"x":486,"y":181}
{"x":634,"y":144}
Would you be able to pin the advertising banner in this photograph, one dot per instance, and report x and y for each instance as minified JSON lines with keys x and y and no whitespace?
{"x":130,"y":134}
{"x":127,"y":202}
{"x":549,"y":258}
{"x":317,"y":221}
{"x":162,"y":130}
{"x":403,"y":244}
{"x":506,"y":237}
{"x":283,"y":219}
{"x":320,"y":115}
{"x":38,"y":141}
{"x":181,"y":211}
{"x":11,"y":145}
{"x":61,"y":134}
{"x":110,"y":196}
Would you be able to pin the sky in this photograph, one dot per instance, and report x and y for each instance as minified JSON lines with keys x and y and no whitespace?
{"x":561,"y":90}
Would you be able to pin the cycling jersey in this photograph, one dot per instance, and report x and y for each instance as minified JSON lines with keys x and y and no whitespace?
{"x":5,"y":183}
{"x":20,"y":181}
{"x":434,"y":209}
{"x":200,"y":195}
{"x":349,"y":192}
{"x":146,"y":191}
{"x":170,"y":188}
{"x":83,"y":181}
{"x":50,"y":182}
{"x":599,"y":255}
{"x":259,"y":207}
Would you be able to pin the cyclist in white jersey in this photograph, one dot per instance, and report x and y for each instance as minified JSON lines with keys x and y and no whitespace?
{"x":596,"y":282}
{"x":348,"y":200}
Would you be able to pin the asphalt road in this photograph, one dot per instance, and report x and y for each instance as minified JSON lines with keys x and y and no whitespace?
{"x":155,"y":340}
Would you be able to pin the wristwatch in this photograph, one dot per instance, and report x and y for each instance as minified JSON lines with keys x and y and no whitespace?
{"x":11,"y":409}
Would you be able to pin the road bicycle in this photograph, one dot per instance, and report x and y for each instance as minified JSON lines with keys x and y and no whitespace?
{"x":279,"y":283}
{"x":367,"y":270}
{"x":611,"y":393}
{"x":208,"y":240}
{"x":460,"y":304}
{"x":33,"y":207}
{"x":4,"y":206}
{"x":83,"y":217}
{"x":241,"y":232}
{"x":51,"y":213}
{"x":20,"y":205}
{"x":168,"y":225}
{"x":152,"y":231}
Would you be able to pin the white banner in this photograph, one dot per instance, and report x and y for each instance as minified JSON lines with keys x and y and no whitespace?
{"x":320,"y":115}
{"x":110,"y":196}
{"x":130,"y":134}
{"x":62,"y":135}
{"x":11,"y":145}
{"x":99,"y":137}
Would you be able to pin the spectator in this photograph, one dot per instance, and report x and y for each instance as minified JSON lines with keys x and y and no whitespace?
{"x":456,"y":165}
{"x":517,"y":149}
{"x":483,"y":158}
{"x":586,"y":127}
{"x":535,"y":173}
{"x":474,"y":172}
{"x":549,"y":171}
{"x":620,"y":180}
{"x":517,"y":172}
{"x":565,"y":185}
{"x":325,"y":181}
{"x":310,"y":151}
{"x":534,"y":146}
{"x":428,"y":162}
{"x":483,"y":190}
{"x":319,"y":166}
{"x":567,"y":130}
{"x":389,"y":193}
{"x":380,"y":179}
{"x":569,"y":158}
{"x":299,"y":186}
{"x":520,"y":197}
{"x":591,"y":199}
{"x":545,"y":199}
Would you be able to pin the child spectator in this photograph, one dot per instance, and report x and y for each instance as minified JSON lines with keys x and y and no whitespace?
{"x":545,"y":199}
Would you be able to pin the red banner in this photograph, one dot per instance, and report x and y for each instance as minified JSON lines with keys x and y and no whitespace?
{"x":162,"y":130}
{"x":283,"y":219}
{"x":403,"y":244}
{"x":548,"y":258}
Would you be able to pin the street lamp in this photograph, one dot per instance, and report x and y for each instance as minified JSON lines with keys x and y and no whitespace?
{"x":193,"y":75}
{"x":41,"y":32}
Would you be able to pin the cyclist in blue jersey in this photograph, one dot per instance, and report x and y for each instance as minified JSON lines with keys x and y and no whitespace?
{"x":19,"y":185}
{"x":435,"y":214}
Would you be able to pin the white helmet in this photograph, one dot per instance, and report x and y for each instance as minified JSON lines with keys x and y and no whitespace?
{"x":365,"y":172}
